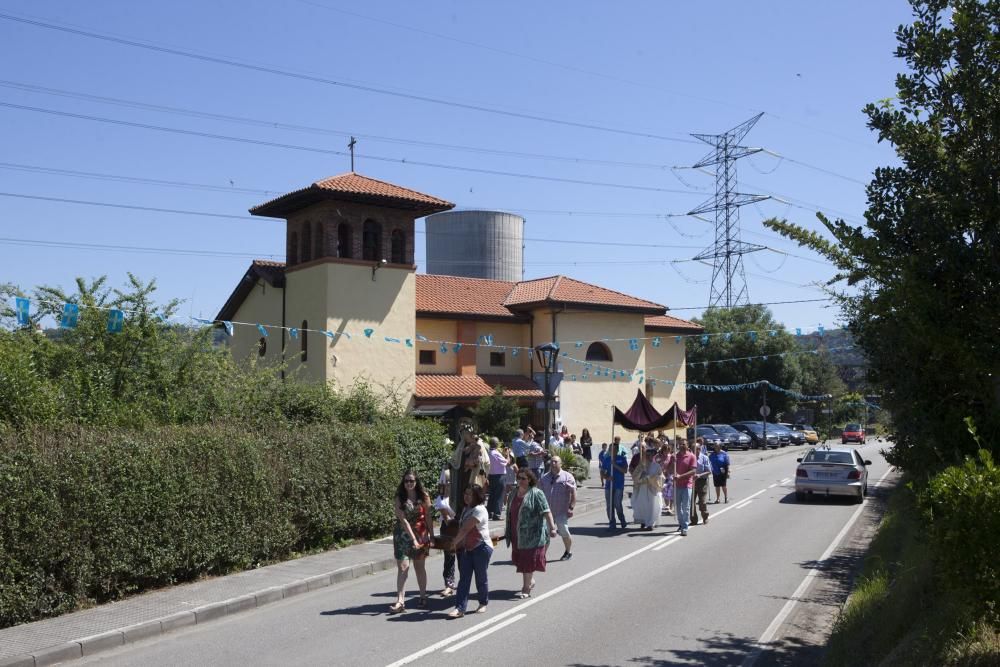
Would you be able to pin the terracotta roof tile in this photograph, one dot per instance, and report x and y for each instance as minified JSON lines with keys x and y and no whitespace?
{"x":463,"y":296}
{"x":353,"y":187}
{"x":473,"y":386}
{"x":560,"y":289}
{"x":669,"y":323}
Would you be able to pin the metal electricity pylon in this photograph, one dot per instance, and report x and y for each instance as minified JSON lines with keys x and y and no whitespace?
{"x":729,"y":285}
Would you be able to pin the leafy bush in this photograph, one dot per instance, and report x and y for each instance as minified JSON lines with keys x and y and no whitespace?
{"x":963,"y":505}
{"x":498,"y":415}
{"x":96,"y":514}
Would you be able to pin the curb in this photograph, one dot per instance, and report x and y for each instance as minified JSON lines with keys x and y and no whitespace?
{"x":106,"y":641}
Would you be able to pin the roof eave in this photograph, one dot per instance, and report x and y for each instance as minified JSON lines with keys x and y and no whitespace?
{"x":641,"y":310}
{"x":299,"y":199}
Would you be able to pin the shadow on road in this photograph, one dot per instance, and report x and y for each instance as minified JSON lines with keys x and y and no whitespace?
{"x":726,"y":650}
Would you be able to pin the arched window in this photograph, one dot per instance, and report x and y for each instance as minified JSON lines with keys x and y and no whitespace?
{"x":262,"y":346}
{"x":344,"y":248}
{"x":306,"y":251}
{"x":320,"y":250}
{"x":293,"y":248}
{"x":304,"y":341}
{"x":371,"y":241}
{"x":397,"y":247}
{"x":598,"y":352}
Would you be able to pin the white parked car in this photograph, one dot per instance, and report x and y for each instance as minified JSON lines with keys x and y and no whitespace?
{"x":832,"y":471}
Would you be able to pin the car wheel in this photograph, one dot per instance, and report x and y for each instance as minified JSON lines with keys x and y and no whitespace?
{"x":860,"y":499}
{"x":800,"y":496}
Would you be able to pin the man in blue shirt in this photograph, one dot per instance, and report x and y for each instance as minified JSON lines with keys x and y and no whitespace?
{"x":614,"y":467}
{"x":720,"y":471}
{"x":519,"y":447}
{"x":702,"y":471}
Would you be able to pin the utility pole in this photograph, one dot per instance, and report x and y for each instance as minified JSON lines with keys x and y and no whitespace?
{"x":351,"y":144}
{"x":729,"y":286}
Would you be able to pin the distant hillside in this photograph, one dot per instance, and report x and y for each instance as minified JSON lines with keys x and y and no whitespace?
{"x":851,"y":363}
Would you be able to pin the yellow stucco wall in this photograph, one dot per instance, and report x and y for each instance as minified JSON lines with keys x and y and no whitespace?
{"x":589,"y":403}
{"x":436,"y":330}
{"x":262,"y":306}
{"x":344,"y":298}
{"x":504,"y":336}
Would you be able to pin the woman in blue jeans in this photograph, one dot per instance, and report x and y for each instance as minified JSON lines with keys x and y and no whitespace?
{"x":474,"y":548}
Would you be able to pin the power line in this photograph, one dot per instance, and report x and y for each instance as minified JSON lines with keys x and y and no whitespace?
{"x":328,"y":81}
{"x":241,"y":190}
{"x":229,"y":216}
{"x":256,"y":122}
{"x":762,"y":303}
{"x":330,"y":151}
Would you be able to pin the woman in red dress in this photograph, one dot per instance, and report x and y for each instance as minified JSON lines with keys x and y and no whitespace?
{"x":529,"y":527}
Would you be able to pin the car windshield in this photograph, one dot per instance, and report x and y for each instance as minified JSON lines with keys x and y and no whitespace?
{"x":753,"y":426}
{"x":853,"y":427}
{"x":822,"y":456}
{"x":804,"y":427}
{"x":777,"y":427}
{"x":725,"y":429}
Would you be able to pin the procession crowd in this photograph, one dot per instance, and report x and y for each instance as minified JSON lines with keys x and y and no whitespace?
{"x":526,"y":486}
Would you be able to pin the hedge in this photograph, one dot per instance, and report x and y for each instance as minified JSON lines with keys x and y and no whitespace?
{"x":92,"y":515}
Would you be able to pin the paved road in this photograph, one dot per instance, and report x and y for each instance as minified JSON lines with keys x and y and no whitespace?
{"x":629,"y":598}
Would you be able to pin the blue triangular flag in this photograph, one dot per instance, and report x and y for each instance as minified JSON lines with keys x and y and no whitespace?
{"x":391,"y":340}
{"x":70,"y":316}
{"x":704,"y":339}
{"x":369,"y":332}
{"x":229,"y":326}
{"x":444,"y":348}
{"x":116,"y":319}
{"x":421,"y":338}
{"x":514,"y":352}
{"x":293,"y":333}
{"x":409,"y":342}
{"x":798,"y":332}
{"x":657,"y":342}
{"x":579,"y":343}
{"x":753,"y":336}
{"x":458,"y":346}
{"x":22,"y":305}
{"x":677,"y":339}
{"x":262,"y":330}
{"x":820,"y":329}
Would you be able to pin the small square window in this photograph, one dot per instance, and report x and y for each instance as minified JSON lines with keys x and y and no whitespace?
{"x":498,"y":358}
{"x":428,"y":357}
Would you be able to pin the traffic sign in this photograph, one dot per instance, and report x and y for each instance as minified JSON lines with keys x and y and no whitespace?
{"x":764,"y":411}
{"x":554,"y":379}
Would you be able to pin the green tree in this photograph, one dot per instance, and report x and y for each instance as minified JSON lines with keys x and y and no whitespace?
{"x":759,"y":356}
{"x":498,"y":415}
{"x":925,"y":271}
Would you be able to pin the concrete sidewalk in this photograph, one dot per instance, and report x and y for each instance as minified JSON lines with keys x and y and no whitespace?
{"x":101,"y":628}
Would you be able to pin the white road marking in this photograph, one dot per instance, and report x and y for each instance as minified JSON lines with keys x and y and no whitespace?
{"x":499,"y":626}
{"x":743,"y":504}
{"x":670,"y":540}
{"x":734,"y":506}
{"x":774,"y":485}
{"x":524,"y":605}
{"x":785,"y":481}
{"x":772,"y":629}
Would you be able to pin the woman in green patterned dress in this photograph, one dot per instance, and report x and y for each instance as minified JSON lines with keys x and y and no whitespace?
{"x":411,"y":538}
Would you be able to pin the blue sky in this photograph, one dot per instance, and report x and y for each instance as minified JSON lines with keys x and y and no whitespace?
{"x":652,"y":68}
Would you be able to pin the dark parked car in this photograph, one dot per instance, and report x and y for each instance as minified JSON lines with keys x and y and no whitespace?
{"x":756,"y":432}
{"x":734,"y":438}
{"x":794,"y":437}
{"x":710,"y":435}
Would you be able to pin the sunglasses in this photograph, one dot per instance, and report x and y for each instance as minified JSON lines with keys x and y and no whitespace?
{"x":410,"y":481}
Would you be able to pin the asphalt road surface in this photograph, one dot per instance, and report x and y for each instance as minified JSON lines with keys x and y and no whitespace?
{"x":632,"y":598}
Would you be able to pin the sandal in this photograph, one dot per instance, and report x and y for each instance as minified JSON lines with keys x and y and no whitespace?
{"x":456,"y":613}
{"x":481,"y":609}
{"x":397,"y":608}
{"x":422,"y":602}
{"x":521,"y":595}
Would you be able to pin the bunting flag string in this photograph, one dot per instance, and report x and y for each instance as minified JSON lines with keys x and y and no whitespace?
{"x":71,"y":312}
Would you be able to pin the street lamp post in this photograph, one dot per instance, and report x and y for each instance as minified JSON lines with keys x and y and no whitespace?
{"x":547,"y":353}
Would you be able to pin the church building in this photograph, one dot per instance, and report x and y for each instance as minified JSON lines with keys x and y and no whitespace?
{"x":348,"y":304}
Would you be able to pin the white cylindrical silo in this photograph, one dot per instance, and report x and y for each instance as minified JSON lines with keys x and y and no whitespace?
{"x":475,"y":244}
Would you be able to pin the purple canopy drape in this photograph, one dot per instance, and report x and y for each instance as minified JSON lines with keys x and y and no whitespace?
{"x":642,"y":416}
